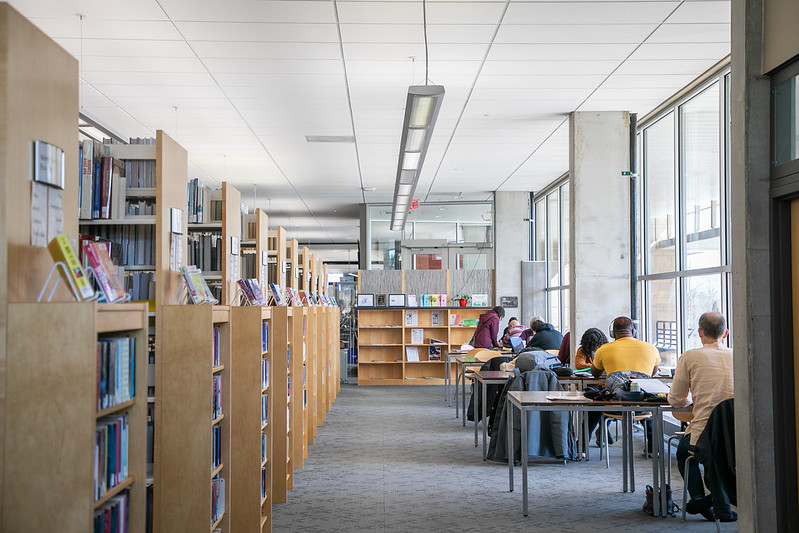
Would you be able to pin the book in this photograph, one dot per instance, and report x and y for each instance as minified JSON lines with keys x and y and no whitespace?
{"x":106,"y":180}
{"x":256,"y":291}
{"x":61,"y":250}
{"x":247,"y":290}
{"x":86,"y":177}
{"x":104,"y":271}
{"x":411,"y":318}
{"x":442,"y":300}
{"x":198,"y":288}
{"x":435,"y":318}
{"x":277,"y":294}
{"x":417,"y":336}
{"x":433,"y":300}
{"x":413,"y":301}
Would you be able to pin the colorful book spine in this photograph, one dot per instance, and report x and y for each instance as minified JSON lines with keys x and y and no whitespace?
{"x":104,"y":270}
{"x":216,"y":397}
{"x":61,"y":250}
{"x":110,"y":453}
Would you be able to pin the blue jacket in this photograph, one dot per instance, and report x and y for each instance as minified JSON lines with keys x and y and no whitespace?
{"x":547,"y":338}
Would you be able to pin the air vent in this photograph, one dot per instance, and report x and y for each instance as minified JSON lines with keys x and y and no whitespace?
{"x":330,"y":138}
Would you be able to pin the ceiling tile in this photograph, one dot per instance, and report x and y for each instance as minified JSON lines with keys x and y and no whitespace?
{"x":702,"y":12}
{"x":689,"y":51}
{"x":691,"y":33}
{"x":295,"y":11}
{"x":94,"y":9}
{"x":264,"y":50}
{"x":560,"y":52}
{"x":588,"y":12}
{"x":380,"y":12}
{"x":573,"y":33}
{"x":259,"y":32}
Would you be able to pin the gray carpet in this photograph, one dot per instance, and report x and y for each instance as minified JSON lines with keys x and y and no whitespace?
{"x":397,"y":459}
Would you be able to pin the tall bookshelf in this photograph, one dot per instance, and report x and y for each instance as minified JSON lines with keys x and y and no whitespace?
{"x":185,"y":475}
{"x":385,"y":341}
{"x":298,"y":354}
{"x":251,"y":450}
{"x":280,"y":344}
{"x":277,"y":256}
{"x":310,"y":373}
{"x":52,"y":415}
{"x":262,"y":248}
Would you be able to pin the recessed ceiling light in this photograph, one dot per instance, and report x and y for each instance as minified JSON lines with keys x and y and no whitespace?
{"x":368,"y":189}
{"x":330,"y":138}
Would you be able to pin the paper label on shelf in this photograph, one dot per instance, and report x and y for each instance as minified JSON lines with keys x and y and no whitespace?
{"x":411,"y":318}
{"x":55,"y":213}
{"x":38,"y":214}
{"x":234,"y":268}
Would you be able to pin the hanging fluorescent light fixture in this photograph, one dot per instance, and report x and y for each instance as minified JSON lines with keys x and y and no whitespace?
{"x":421,"y":111}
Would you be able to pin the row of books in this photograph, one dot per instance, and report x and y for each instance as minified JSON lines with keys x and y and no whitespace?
{"x":300,"y":298}
{"x":264,"y":336}
{"x":252,"y":291}
{"x":116,"y":371}
{"x":110,"y":453}
{"x":263,"y":483}
{"x":128,"y":245}
{"x":216,"y":446}
{"x":205,"y":251}
{"x":141,"y":207}
{"x":113,"y":516}
{"x":105,"y":180}
{"x":215,"y":352}
{"x":140,"y":285}
{"x":199,"y":291}
{"x":216,"y":397}
{"x":217,"y":498}
{"x":264,"y":409}
{"x":205,"y":204}
{"x":248,"y":263}
{"x":264,"y":449}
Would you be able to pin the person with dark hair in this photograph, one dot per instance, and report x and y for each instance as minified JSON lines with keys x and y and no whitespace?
{"x":545,"y":336}
{"x":592,"y":339}
{"x":487,"y":333}
{"x":624,"y":358}
{"x":707,"y":374}
{"x":514,"y":329}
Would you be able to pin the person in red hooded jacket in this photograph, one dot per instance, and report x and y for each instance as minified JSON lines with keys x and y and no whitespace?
{"x":486,"y":335}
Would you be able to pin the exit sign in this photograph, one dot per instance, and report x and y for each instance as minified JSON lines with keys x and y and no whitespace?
{"x":414,"y":204}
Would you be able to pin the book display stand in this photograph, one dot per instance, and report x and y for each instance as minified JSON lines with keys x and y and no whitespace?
{"x":64,"y":273}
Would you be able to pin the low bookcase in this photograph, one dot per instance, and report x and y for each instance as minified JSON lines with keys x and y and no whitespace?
{"x":52,"y":420}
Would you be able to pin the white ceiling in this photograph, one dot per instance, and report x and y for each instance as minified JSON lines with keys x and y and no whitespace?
{"x":240,"y":83}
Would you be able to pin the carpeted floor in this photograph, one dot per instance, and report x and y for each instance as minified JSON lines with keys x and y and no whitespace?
{"x":396,"y":459}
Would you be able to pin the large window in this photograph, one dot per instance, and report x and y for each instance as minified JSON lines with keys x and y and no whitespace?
{"x":684,"y":230}
{"x":551,"y":218}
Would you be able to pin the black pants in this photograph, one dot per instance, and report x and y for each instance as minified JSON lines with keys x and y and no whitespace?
{"x":695,"y":486}
{"x":595,"y":416}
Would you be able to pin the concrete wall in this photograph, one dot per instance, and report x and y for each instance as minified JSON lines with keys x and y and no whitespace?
{"x":751,"y":316}
{"x":599,"y":219}
{"x":781,"y":41}
{"x":511,"y":246}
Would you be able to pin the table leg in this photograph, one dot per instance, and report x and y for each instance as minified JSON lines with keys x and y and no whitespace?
{"x":631,"y":452}
{"x":586,"y":436}
{"x":463,"y":395}
{"x":657,"y":447}
{"x":475,"y":425}
{"x":524,"y":461}
{"x":457,"y":382}
{"x":485,"y":423}
{"x":509,"y":424}
{"x":624,"y":449}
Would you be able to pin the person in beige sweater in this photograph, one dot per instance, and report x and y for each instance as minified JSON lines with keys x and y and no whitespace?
{"x":706,"y":375}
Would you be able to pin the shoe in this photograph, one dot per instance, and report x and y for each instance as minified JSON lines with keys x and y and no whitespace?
{"x":699,"y":505}
{"x":708,"y":515}
{"x":611,"y":440}
{"x":731,"y":517}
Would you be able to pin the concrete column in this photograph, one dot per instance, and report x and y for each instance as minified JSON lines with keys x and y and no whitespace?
{"x":511,"y":247}
{"x":599,"y":219}
{"x":751,"y":315}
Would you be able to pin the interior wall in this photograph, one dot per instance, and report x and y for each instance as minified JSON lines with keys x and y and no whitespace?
{"x":781,"y":41}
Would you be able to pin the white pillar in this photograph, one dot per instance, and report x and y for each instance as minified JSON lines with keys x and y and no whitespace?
{"x":599,"y":219}
{"x":511,"y":247}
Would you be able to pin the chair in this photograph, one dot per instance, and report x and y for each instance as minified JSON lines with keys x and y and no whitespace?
{"x":684,"y":416}
{"x":616,"y":417}
{"x":691,"y":457}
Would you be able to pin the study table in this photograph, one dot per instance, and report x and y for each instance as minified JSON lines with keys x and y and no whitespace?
{"x":575,"y":401}
{"x":486,"y":378}
{"x":460,"y":379}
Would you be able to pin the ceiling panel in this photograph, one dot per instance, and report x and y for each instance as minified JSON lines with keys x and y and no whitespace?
{"x":687,"y":51}
{"x":273,"y":66}
{"x":101,"y":28}
{"x":380,"y":12}
{"x":259,"y":31}
{"x":588,"y":12}
{"x":295,"y":11}
{"x":413,"y":33}
{"x":265,"y":50}
{"x":665,"y":66}
{"x":125,"y":48}
{"x":573,"y":33}
{"x":155,"y":79}
{"x":95,"y":9}
{"x":401,"y":52}
{"x":561,"y":52}
{"x":701,"y":12}
{"x":691,"y":33}
{"x":548,"y":67}
{"x":142,"y":64}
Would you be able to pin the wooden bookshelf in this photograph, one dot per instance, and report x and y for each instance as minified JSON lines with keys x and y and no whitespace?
{"x":279,"y":420}
{"x":383,"y":339}
{"x":293,"y":267}
{"x":262,"y":249}
{"x":231,"y":228}
{"x":277,"y":256}
{"x":249,"y":511}
{"x":311,"y":362}
{"x":51,"y":414}
{"x":182,"y":449}
{"x":298,"y":354}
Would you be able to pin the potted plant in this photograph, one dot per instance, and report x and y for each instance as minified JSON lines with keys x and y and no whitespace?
{"x":462,"y":299}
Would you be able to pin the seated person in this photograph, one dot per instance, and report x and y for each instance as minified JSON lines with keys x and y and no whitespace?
{"x":545,"y":336}
{"x":624,"y":356}
{"x":514,"y":329}
{"x":591,"y":340}
{"x":705,"y":373}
